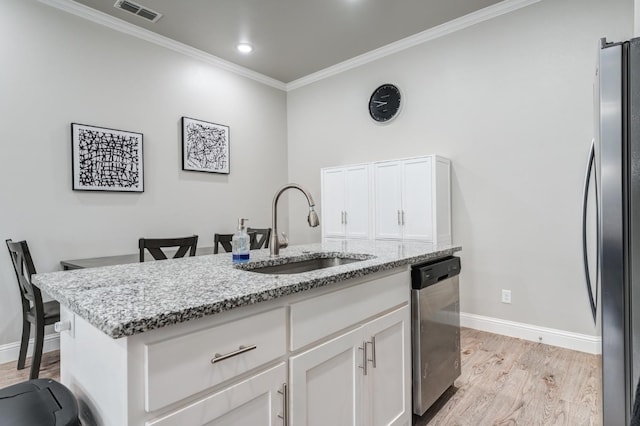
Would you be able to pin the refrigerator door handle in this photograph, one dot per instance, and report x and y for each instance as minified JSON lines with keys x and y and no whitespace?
{"x":590,"y":163}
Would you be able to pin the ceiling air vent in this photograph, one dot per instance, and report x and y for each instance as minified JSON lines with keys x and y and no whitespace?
{"x":138,"y":10}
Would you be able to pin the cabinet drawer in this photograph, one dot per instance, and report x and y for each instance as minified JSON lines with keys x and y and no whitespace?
{"x":254,"y":401}
{"x":179,"y":367}
{"x":316,"y":318}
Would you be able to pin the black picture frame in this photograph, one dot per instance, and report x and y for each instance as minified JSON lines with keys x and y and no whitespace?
{"x":205,"y":146}
{"x":104,"y":159}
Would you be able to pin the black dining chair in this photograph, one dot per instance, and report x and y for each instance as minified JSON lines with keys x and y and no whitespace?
{"x":262,"y":237}
{"x":224,"y":240}
{"x":155,"y":246}
{"x":34,"y":311}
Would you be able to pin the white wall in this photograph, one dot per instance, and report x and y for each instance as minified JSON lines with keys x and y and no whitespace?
{"x":636,"y":18}
{"x":509,"y":101}
{"x":57,"y":69}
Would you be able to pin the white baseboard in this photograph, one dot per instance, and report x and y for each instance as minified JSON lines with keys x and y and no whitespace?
{"x":10,"y":351}
{"x":548,"y":336}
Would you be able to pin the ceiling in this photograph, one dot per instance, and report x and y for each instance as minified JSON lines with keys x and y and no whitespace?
{"x":292,"y":38}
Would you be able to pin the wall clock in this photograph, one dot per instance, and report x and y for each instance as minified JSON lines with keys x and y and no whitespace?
{"x":384,"y":103}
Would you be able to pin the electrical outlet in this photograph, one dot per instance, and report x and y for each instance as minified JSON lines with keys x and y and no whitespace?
{"x":506,"y":296}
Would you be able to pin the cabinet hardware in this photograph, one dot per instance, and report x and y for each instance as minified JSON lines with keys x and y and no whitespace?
{"x":363,"y":348}
{"x":399,"y":221}
{"x":403,"y":217}
{"x":345,"y":218}
{"x":342,"y":217}
{"x":285,"y":405}
{"x":242,"y":349}
{"x":373,"y":351}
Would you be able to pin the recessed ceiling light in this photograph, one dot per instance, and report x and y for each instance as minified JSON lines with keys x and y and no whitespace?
{"x":244,"y":48}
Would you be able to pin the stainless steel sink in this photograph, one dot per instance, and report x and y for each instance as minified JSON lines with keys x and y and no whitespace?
{"x":297,"y":267}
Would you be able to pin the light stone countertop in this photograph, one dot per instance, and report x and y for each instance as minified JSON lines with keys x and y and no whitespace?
{"x":124,"y":300}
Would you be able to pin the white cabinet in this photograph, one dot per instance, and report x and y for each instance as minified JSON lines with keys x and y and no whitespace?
{"x":388,"y":390}
{"x":182,"y":366}
{"x":326,"y":383}
{"x":357,"y":378}
{"x":345,"y":202}
{"x":405,"y":199}
{"x":232,"y":368}
{"x":412,"y":199}
{"x":388,"y":200}
{"x":258,"y":400}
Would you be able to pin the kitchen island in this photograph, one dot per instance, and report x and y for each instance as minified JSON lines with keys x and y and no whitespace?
{"x":199,"y":341}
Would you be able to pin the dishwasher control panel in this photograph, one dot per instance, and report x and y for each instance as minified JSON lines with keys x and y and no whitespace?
{"x":432,"y":272}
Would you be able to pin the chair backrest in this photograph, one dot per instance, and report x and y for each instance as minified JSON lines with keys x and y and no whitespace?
{"x":262,"y":237}
{"x":155,"y":246}
{"x":224,"y":240}
{"x":24,"y":268}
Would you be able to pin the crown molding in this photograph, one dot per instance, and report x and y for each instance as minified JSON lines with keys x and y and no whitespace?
{"x":458,"y":24}
{"x":109,"y":21}
{"x":141,"y":33}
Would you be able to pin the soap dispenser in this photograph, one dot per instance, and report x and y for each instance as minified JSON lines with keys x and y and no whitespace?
{"x":240,"y":243}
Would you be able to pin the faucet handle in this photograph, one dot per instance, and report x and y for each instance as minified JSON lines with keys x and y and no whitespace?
{"x":283,"y":241}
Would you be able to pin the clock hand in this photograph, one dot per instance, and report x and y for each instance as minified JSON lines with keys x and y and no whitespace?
{"x":380,"y":103}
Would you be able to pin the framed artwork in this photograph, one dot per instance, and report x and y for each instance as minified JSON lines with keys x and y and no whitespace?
{"x":106,"y":159}
{"x":205,"y":146}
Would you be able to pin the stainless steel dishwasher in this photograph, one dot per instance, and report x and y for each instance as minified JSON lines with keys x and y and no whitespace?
{"x":435,"y":328}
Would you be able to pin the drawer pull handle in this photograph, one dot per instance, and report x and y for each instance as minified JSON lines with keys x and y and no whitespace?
{"x":242,"y":349}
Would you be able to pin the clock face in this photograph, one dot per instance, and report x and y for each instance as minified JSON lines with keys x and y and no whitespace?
{"x":384,"y":103}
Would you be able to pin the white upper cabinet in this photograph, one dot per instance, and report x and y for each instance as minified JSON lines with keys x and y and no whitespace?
{"x":413,"y":199}
{"x":388,"y":187}
{"x":345,"y":202}
{"x":406,"y":199}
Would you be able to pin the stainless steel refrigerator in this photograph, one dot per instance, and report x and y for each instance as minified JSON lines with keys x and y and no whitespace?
{"x":616,"y":163}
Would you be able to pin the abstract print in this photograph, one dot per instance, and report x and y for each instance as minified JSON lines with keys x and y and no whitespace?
{"x":106,"y":159}
{"x":205,"y":146}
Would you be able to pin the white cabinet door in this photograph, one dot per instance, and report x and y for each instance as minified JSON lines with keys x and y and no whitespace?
{"x":326,"y":382}
{"x":405,"y":200}
{"x":357,"y":202}
{"x":417,"y":199}
{"x":255,"y":401}
{"x":333,"y":200}
{"x":388,"y":382}
{"x":388,"y":200}
{"x":328,"y":385}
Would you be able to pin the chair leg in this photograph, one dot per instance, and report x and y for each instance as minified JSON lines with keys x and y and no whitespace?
{"x":37,"y":351}
{"x":24,"y":343}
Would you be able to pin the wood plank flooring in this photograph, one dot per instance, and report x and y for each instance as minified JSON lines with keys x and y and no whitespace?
{"x":507,"y":381}
{"x":49,"y":369}
{"x":504,"y":381}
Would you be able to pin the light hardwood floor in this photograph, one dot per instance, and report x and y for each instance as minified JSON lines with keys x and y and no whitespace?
{"x":504,"y":381}
{"x":507,"y":381}
{"x":49,"y":369}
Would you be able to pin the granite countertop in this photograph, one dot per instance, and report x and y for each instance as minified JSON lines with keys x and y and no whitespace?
{"x":124,"y":300}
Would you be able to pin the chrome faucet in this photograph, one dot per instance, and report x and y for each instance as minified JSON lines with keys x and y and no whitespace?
{"x":275,"y":242}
